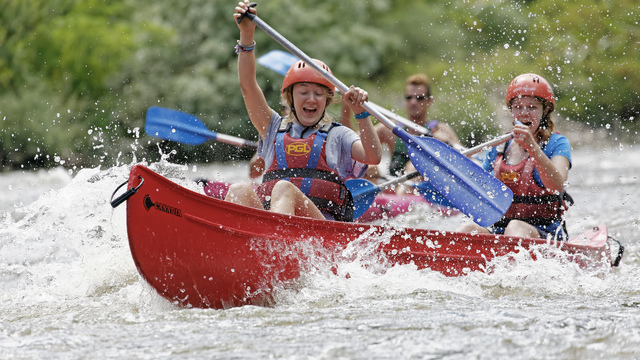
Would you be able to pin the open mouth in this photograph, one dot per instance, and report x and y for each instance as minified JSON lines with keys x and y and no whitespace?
{"x":309,"y":111}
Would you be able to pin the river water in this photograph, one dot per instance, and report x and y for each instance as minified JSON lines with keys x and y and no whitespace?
{"x":69,"y":288}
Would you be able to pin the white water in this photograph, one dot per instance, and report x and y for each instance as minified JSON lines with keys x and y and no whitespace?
{"x":69,"y":287}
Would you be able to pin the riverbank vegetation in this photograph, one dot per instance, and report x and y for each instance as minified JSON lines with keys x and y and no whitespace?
{"x":76,"y":76}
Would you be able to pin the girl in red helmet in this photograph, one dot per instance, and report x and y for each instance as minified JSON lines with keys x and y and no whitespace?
{"x":307,"y":156}
{"x":534,"y":165}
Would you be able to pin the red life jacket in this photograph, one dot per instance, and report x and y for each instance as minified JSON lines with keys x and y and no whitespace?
{"x":303,"y":162}
{"x":532,"y":203}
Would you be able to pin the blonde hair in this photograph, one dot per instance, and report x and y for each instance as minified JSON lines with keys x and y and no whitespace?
{"x":286,"y":100}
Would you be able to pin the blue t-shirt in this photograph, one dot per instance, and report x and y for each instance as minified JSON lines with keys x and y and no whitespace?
{"x":557,"y":145}
{"x":337,"y":148}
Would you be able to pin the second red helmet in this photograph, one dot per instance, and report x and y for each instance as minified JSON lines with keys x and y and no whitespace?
{"x":531,"y":85}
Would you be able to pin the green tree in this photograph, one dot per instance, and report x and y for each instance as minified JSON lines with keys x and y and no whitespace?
{"x":76,"y":77}
{"x":59,"y":55}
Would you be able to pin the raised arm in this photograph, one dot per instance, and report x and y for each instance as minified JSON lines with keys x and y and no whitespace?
{"x":257,"y":106}
{"x":345,"y":115}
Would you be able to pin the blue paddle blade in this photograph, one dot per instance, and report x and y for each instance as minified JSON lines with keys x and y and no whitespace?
{"x":475,"y":192}
{"x":432,"y":195}
{"x":364,"y":194}
{"x":177,"y":126}
{"x":278,"y":61}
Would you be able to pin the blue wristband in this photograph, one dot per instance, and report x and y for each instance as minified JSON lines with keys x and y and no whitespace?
{"x":362,"y":115}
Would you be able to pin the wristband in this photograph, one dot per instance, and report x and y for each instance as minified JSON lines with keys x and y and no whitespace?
{"x":432,"y":124}
{"x":245,"y":48}
{"x":362,"y":115}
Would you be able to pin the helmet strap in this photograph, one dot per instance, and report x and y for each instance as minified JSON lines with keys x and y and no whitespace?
{"x":544,"y":121}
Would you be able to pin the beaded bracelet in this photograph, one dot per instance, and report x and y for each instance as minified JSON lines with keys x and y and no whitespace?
{"x":245,"y":48}
{"x":362,"y":115}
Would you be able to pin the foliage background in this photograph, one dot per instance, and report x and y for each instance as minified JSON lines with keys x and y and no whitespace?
{"x":76,"y":76}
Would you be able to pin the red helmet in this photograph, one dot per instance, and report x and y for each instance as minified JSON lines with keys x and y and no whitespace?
{"x":531,"y":85}
{"x":300,"y":72}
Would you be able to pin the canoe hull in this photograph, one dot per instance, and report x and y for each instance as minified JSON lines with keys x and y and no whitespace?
{"x":199,"y":251}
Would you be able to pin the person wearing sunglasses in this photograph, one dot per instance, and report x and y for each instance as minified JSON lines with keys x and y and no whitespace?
{"x":418,"y":99}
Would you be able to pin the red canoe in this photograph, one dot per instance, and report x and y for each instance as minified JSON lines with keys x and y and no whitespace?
{"x":384,"y":206}
{"x":199,"y":251}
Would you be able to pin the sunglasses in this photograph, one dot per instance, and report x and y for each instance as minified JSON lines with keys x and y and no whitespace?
{"x":417,"y":97}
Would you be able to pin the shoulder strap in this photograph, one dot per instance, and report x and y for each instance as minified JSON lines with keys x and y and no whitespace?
{"x":281,"y":156}
{"x":285,"y":126}
{"x":314,"y":157}
{"x":328,"y":127}
{"x":502,"y":148}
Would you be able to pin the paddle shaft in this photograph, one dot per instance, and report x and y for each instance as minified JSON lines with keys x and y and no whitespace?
{"x":301,"y":55}
{"x":406,"y":122}
{"x":212,"y":135}
{"x":402,"y":178}
{"x":232,"y":140}
{"x":491,"y":143}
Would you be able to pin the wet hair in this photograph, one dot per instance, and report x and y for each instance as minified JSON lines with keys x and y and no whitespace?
{"x":547,"y":123}
{"x":420,"y":79}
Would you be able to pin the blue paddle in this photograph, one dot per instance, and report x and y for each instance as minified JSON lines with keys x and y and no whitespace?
{"x":472,"y":190}
{"x":278,"y":61}
{"x":364,"y":191}
{"x":184,"y":128}
{"x":477,"y":193}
